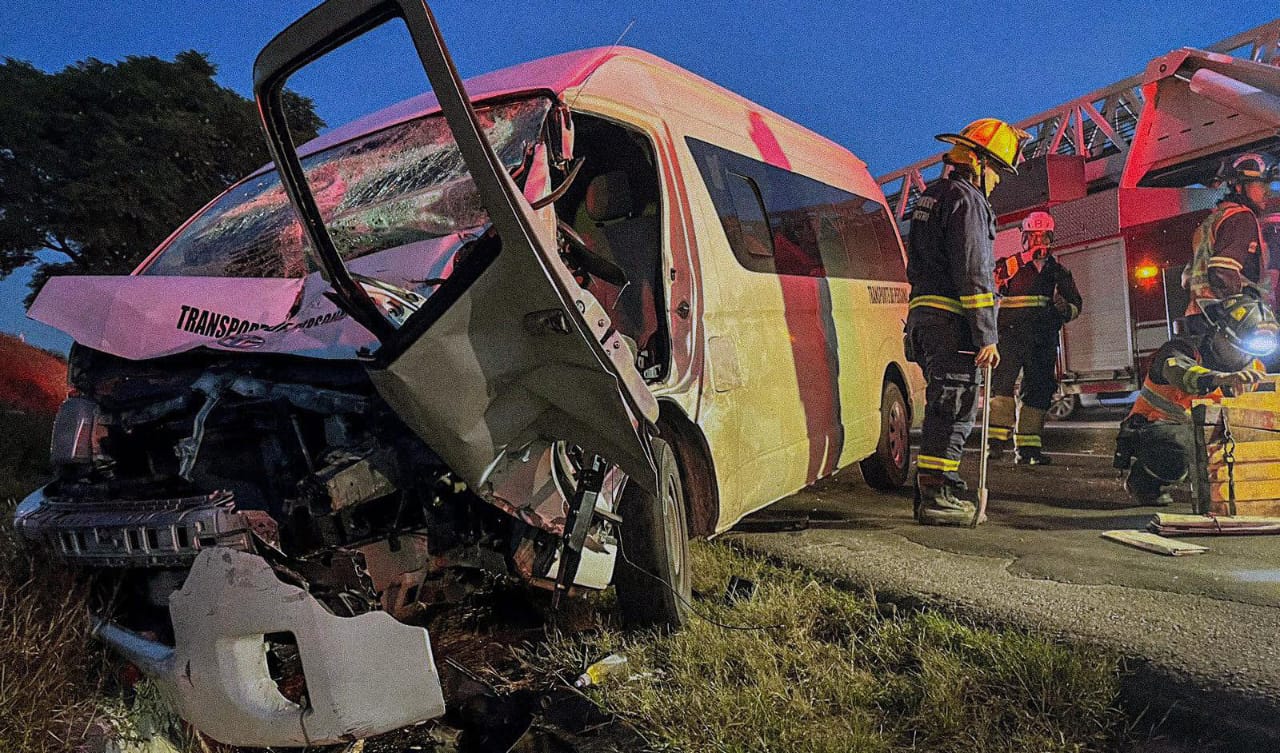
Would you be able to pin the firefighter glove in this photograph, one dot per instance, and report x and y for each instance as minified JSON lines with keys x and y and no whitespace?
{"x":1238,"y":378}
{"x":1064,"y":309}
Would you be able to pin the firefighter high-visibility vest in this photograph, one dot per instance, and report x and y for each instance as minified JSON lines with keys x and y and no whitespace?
{"x":1203,"y":258}
{"x":1167,"y":402}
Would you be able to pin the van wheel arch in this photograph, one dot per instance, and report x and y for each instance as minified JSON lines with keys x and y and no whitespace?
{"x":697,"y":469}
{"x":893,"y":373}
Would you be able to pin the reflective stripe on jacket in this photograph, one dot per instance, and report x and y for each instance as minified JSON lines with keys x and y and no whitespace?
{"x":949,"y":255}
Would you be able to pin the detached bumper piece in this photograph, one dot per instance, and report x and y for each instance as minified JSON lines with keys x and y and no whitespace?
{"x":133,"y":533}
{"x":364,"y":675}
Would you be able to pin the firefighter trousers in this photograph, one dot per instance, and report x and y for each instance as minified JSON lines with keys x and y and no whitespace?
{"x":1031,"y":351}
{"x":1159,"y":450}
{"x":943,"y":347}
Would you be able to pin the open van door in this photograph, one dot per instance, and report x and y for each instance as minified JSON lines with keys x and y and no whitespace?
{"x":508,"y":350}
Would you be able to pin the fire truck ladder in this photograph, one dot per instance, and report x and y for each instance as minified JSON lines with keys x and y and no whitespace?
{"x":1100,"y":125}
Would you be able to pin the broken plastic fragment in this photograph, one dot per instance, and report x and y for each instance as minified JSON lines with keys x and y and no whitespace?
{"x":613,"y":665}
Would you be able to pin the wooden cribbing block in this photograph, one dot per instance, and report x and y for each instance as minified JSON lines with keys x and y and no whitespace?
{"x":1253,"y":418}
{"x":1263,"y":508}
{"x":1154,"y":543}
{"x":1248,"y":452}
{"x":1245,"y":490}
{"x":1257,"y":470}
{"x":1258,"y":400}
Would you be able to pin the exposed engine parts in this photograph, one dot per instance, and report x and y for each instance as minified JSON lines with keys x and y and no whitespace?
{"x":303,"y":465}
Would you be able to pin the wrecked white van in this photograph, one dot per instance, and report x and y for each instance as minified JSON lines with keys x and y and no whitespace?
{"x":479,"y":330}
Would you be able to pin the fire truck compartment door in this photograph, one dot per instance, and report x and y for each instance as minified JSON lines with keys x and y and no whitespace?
{"x":1100,"y":340}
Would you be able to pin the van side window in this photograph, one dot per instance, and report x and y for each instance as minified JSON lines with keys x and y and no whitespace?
{"x":748,"y":225}
{"x":780,"y":222}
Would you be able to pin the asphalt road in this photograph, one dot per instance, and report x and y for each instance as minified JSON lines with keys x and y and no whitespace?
{"x":1203,"y":631}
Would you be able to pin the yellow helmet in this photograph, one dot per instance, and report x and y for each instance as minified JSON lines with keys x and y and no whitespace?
{"x":991,"y":138}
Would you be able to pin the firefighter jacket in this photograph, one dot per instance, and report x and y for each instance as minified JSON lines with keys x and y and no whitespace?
{"x":1182,"y":370}
{"x":1033,"y":297}
{"x":1228,"y":253}
{"x":949,"y":255}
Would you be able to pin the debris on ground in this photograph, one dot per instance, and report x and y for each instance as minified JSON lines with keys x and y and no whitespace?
{"x":1168,"y":524}
{"x":1152,"y":542}
{"x":613,"y":665}
{"x":739,"y":589}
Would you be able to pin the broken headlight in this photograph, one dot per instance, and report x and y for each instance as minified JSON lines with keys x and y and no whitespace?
{"x":77,"y":434}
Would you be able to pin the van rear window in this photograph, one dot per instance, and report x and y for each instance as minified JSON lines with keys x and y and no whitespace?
{"x":784,"y":223}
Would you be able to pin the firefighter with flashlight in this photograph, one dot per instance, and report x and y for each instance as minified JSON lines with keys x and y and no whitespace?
{"x":1155,"y":439}
{"x":951,"y":326}
{"x":1038,"y":296}
{"x":1229,"y":252}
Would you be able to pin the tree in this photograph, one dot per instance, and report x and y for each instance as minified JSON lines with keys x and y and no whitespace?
{"x":101,"y":161}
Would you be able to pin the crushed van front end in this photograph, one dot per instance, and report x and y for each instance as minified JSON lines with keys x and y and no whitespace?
{"x":270,"y":538}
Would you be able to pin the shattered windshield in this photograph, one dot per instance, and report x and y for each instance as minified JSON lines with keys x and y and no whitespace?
{"x":397,"y":186}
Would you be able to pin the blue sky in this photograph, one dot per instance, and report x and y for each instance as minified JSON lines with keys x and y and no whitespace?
{"x":880,"y":78}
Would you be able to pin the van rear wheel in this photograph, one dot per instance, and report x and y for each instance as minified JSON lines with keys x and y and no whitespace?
{"x":652,"y":575}
{"x":887,"y":469}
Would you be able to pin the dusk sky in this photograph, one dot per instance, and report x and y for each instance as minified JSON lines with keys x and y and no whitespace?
{"x":879,"y":78}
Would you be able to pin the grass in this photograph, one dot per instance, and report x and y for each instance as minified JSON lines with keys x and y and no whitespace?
{"x":49,"y":670}
{"x":834,"y":674}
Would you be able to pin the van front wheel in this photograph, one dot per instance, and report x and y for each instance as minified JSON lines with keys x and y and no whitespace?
{"x":887,"y":469}
{"x":652,"y":575}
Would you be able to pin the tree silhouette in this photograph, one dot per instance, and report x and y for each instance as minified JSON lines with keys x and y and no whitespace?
{"x":101,"y":161}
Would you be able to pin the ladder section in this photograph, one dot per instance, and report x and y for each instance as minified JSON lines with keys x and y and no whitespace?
{"x":1099,"y":126}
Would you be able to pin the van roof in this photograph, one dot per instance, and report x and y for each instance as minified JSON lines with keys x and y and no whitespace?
{"x":556,"y":74}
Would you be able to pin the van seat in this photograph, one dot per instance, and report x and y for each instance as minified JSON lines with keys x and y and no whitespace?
{"x":634,"y":243}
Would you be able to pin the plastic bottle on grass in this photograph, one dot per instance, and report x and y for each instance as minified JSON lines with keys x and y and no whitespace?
{"x":613,"y":665}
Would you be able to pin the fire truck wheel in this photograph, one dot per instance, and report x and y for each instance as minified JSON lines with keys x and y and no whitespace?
{"x":886,"y":470}
{"x":652,"y":574}
{"x":1063,"y":406}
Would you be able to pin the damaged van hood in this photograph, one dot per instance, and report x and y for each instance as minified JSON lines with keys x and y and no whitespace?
{"x":149,"y":316}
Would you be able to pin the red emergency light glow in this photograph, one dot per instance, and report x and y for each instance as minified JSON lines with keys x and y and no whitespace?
{"x":1146,"y":272}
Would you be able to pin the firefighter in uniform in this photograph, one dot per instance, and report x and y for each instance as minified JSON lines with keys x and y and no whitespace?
{"x":1155,"y":438}
{"x":1229,"y":252}
{"x":1038,"y":296}
{"x":951,"y":326}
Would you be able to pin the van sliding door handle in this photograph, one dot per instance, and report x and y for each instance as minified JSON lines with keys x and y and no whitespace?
{"x":682,"y":310}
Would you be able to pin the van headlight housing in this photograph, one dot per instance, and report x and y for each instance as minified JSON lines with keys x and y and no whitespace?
{"x":77,"y":433}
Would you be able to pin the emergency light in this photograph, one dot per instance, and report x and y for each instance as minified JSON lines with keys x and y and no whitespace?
{"x":1146,"y":272}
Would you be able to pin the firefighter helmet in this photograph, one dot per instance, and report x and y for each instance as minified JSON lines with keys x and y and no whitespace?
{"x":1037,"y":234}
{"x":1041,"y":221}
{"x":993,"y":139}
{"x":1246,"y":168}
{"x":1245,"y":321}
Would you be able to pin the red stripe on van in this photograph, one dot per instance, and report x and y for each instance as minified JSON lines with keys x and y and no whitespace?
{"x":807,"y":309}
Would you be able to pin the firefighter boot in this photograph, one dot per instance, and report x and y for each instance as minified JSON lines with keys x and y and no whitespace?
{"x":1027,"y":440}
{"x":938,"y":505}
{"x":1144,"y":489}
{"x":1031,"y":456}
{"x":1003,"y":409}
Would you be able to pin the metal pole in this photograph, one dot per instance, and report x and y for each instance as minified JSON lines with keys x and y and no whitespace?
{"x":979,"y":513}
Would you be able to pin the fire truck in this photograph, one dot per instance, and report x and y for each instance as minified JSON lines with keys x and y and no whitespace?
{"x":1128,"y":172}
